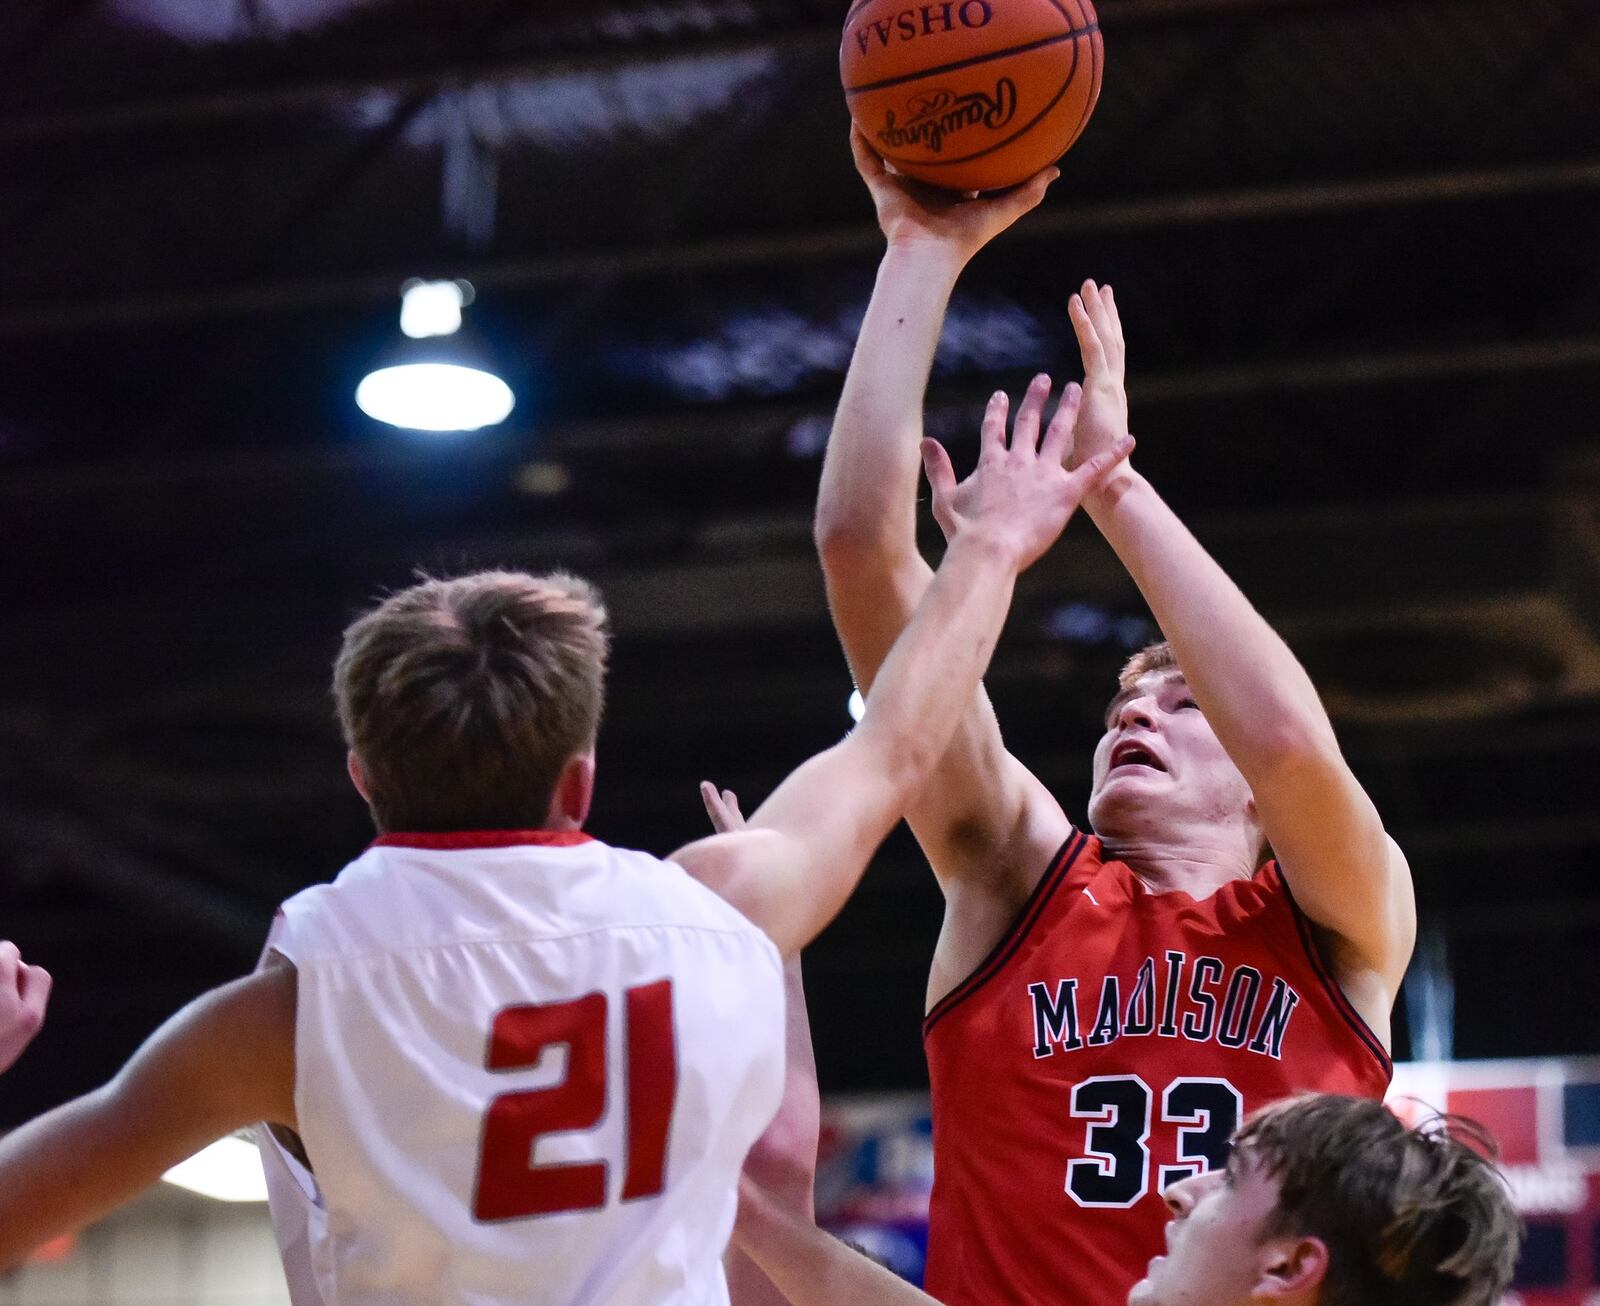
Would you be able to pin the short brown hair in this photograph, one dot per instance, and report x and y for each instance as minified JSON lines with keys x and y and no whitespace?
{"x":1411,"y":1217}
{"x":1152,"y":657}
{"x":464,"y":698}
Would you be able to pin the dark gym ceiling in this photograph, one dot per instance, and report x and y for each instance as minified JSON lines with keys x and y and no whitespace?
{"x":1356,"y":248}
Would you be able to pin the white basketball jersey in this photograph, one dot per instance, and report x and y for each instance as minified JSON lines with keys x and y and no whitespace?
{"x":528,"y":1067}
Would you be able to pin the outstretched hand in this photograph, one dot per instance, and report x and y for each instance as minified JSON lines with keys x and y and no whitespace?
{"x":911,"y":212}
{"x":24,"y":993}
{"x":1020,"y":494}
{"x":1103,"y":414}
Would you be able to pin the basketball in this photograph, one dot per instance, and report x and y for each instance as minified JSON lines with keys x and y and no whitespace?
{"x":971,"y":94}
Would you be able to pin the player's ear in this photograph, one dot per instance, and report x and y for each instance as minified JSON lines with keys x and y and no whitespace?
{"x":1291,"y":1269}
{"x":358,"y":778}
{"x":574,"y":792}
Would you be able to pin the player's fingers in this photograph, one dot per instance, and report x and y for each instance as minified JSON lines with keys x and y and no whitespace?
{"x":34,"y":984}
{"x":1113,"y":319}
{"x":1021,"y":199}
{"x":1088,"y":476}
{"x":992,"y":438}
{"x":713,"y":804}
{"x":941,"y":475}
{"x":730,"y":800}
{"x":10,"y":957}
{"x":868,"y":162}
{"x":1030,"y":414}
{"x":1058,"y":438}
{"x":1089,"y":292}
{"x":1088,"y":339}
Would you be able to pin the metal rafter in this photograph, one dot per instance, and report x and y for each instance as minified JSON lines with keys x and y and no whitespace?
{"x":1258,"y":203}
{"x":53,"y":126}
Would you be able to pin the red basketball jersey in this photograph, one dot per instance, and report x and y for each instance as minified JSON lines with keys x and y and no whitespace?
{"x":1104,"y":1050}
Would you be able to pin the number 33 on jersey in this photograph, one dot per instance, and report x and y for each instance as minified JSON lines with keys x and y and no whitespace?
{"x":1106,"y":1049}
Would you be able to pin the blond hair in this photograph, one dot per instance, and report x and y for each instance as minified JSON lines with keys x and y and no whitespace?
{"x":463,"y":699}
{"x":1152,"y":657}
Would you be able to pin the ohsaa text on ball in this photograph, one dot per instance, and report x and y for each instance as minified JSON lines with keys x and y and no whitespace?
{"x":910,"y":24}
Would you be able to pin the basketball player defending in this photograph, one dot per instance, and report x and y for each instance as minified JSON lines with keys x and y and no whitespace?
{"x":1104,"y":1008}
{"x":1323,"y":1201}
{"x":502,"y":1061}
{"x":24,"y":994}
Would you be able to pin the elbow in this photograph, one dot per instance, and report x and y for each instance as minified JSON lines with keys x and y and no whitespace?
{"x":1296,"y":743}
{"x":910,"y":764}
{"x":846,"y":543}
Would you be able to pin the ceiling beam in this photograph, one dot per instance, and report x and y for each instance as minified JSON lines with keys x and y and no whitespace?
{"x":1187,"y":209}
{"x":53,"y":126}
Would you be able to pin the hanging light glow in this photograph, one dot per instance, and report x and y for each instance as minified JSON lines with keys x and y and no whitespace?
{"x":435,"y":397}
{"x":436,"y":380}
{"x":228,"y":1171}
{"x":433,"y":308}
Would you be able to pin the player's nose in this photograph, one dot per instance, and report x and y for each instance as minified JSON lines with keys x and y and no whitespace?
{"x":1182,"y":1196}
{"x":1137,"y":712}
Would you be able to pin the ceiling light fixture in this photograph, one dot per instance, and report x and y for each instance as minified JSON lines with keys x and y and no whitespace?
{"x":438,"y":378}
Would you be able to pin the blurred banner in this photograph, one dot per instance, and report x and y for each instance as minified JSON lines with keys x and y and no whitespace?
{"x":877,"y":1165}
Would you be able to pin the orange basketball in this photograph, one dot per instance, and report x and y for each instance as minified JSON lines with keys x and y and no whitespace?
{"x":971,"y":94}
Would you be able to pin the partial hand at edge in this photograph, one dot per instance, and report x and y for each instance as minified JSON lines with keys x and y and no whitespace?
{"x":24,"y":995}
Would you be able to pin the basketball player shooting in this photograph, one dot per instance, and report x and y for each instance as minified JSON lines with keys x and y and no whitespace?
{"x":24,"y":994}
{"x":503,"y":1062}
{"x":1103,"y":1009}
{"x":1323,"y":1201}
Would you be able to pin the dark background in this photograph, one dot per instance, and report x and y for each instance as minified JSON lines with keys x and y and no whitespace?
{"x":1356,"y":249}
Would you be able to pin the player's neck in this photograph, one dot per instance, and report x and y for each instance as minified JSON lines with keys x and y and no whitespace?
{"x":1199,"y":861}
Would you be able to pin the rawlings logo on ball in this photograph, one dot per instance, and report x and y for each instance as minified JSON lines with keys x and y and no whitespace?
{"x":938,"y":114}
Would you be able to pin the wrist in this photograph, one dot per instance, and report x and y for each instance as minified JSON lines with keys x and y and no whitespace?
{"x":989,"y":545}
{"x":926,"y":256}
{"x":1104,"y":498}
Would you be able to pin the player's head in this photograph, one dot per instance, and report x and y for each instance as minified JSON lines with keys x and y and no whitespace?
{"x":473,"y":703}
{"x":1160,"y":763}
{"x":1332,"y":1201}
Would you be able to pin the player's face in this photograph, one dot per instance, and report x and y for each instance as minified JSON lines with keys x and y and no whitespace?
{"x":1217,"y":1252}
{"x":1161,"y":760}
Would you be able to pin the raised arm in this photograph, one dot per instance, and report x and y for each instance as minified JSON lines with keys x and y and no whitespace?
{"x":804,"y":850}
{"x":978,"y":798}
{"x":24,"y":994}
{"x":223,"y":1062}
{"x":1346,"y":873}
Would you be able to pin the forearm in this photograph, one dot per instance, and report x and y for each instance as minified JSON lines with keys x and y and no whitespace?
{"x":1252,"y":688}
{"x":834,"y":810}
{"x":810,"y":1267}
{"x":927,"y":682}
{"x":867,"y":495}
{"x":65,"y":1170}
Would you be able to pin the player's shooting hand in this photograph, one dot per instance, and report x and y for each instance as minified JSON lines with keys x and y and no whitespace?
{"x":24,"y":993}
{"x":1020,"y":495}
{"x":722,"y":806}
{"x":1102,"y":417}
{"x":912,"y":213}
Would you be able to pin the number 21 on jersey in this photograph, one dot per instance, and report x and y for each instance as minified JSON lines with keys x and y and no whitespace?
{"x":509,"y":1185}
{"x":1115,"y":1171}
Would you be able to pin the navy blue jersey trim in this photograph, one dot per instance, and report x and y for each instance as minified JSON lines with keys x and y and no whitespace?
{"x":1011,"y":940}
{"x":1341,"y":1000}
